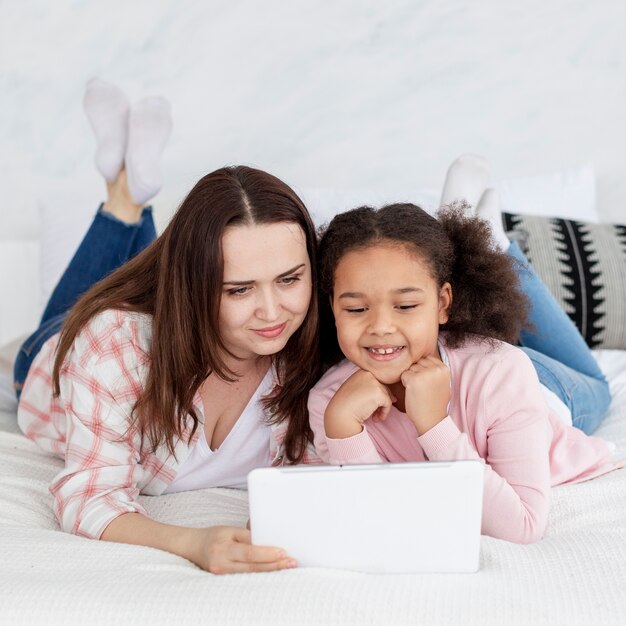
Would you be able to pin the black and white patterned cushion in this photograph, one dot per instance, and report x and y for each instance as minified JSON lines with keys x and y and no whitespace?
{"x":584,"y":266}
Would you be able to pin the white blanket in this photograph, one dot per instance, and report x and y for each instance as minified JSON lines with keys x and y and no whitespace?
{"x":575,"y":575}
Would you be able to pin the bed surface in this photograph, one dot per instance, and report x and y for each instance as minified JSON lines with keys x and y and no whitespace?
{"x":575,"y":575}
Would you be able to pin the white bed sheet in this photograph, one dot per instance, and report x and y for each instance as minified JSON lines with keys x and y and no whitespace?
{"x":575,"y":575}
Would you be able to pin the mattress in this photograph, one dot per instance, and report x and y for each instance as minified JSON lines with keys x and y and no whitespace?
{"x":575,"y":575}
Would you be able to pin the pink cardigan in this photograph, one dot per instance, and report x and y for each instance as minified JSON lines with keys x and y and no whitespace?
{"x":497,"y":413}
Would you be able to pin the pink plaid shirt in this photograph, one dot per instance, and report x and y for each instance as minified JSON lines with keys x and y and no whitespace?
{"x":106,"y":465}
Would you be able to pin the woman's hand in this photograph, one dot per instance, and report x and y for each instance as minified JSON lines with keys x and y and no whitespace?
{"x":227,"y":550}
{"x":360,"y":398}
{"x":427,"y":395}
{"x":217,"y":549}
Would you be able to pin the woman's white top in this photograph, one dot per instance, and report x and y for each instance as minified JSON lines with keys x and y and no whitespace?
{"x":245,"y":448}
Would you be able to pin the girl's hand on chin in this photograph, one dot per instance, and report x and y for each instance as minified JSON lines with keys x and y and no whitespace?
{"x":360,"y":398}
{"x":427,"y":385}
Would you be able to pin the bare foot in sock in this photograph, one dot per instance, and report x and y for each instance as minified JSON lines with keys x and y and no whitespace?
{"x":466,"y":179}
{"x":489,"y":209}
{"x":107,"y":107}
{"x":150,"y":125}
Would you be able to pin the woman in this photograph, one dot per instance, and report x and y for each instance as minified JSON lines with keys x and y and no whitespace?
{"x":179,"y":368}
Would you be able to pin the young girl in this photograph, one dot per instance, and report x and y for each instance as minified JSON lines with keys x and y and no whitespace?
{"x":179,"y":369}
{"x":423,"y":309}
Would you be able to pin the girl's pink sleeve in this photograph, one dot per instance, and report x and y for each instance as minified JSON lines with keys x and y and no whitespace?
{"x":514,"y":417}
{"x":350,"y":451}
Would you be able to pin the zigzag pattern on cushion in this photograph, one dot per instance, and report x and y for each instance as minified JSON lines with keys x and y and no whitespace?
{"x":584,"y":266}
{"x":621,"y":235}
{"x":580,"y":269}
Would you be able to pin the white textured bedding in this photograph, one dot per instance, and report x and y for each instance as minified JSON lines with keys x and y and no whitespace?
{"x":575,"y":575}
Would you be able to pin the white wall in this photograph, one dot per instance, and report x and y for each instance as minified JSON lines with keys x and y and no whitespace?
{"x":349,"y":93}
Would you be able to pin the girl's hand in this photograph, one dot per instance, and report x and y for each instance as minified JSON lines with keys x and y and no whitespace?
{"x":227,"y":550}
{"x":360,"y":398}
{"x":427,"y":384}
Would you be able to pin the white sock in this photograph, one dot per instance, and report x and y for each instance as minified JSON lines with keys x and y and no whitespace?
{"x":489,"y":209}
{"x":150,"y":125}
{"x":466,"y":179}
{"x":107,"y":107}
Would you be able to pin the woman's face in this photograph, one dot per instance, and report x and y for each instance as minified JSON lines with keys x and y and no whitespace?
{"x":266,"y":289}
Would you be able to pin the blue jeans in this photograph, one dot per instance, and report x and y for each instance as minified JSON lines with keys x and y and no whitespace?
{"x":561,"y":357}
{"x":108,"y":244}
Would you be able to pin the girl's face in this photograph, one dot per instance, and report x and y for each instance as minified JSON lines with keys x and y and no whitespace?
{"x":267,"y":287}
{"x":387,"y":309}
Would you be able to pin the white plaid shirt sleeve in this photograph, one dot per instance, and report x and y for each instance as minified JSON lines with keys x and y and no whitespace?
{"x":104,"y":469}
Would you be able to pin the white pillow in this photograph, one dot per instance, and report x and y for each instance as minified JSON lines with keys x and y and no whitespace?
{"x":8,"y":352}
{"x":18,"y":217}
{"x":569,"y":194}
{"x":324,"y":204}
{"x":19,"y":288}
{"x":65,"y":214}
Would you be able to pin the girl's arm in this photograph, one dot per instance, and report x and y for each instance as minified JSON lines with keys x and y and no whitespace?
{"x":217,"y":549}
{"x":339,"y":434}
{"x":512,"y":418}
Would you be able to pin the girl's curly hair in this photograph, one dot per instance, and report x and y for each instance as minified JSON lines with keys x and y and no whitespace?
{"x":458,"y":248}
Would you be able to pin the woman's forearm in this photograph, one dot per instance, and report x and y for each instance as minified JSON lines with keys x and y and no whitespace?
{"x":216,"y":549}
{"x":138,"y":529}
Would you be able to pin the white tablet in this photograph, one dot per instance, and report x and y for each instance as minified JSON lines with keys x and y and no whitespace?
{"x":396,"y":518}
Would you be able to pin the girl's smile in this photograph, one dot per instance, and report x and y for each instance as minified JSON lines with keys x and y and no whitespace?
{"x":384,"y":353}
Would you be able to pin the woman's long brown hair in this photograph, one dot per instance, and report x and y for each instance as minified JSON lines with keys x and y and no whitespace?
{"x":178,"y":281}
